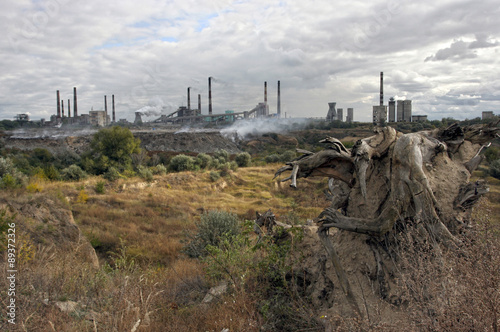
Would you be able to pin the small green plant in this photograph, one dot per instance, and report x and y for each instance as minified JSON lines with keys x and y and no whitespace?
{"x":182,"y":163}
{"x":159,"y":169}
{"x":203,"y":160}
{"x":243,"y":159}
{"x":73,"y":173}
{"x":213,"y":227}
{"x":100,"y":187}
{"x":112,"y":174}
{"x":214,"y":176}
{"x":145,"y":173}
{"x":82,"y":197}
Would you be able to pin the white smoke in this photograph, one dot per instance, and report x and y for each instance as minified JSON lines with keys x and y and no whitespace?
{"x":155,"y":107}
{"x":242,"y":129}
{"x":53,"y":133}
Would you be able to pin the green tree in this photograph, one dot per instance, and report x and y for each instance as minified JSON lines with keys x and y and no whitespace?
{"x":112,"y":147}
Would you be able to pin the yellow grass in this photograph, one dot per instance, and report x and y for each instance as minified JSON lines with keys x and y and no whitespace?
{"x":151,"y":218}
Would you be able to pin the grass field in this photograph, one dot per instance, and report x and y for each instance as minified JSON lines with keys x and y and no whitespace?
{"x":137,"y":229}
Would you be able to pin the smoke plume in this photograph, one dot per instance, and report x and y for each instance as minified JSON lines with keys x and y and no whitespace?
{"x":155,"y":107}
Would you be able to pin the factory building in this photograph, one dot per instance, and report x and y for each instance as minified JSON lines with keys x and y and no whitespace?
{"x":487,"y":115}
{"x":340,"y":114}
{"x":404,"y":110}
{"x":392,"y":110}
{"x":350,"y":115}
{"x":332,"y":112}
{"x":379,"y":114}
{"x":98,"y":118}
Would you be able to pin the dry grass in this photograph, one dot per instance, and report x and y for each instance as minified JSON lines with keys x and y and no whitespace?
{"x":138,"y":228}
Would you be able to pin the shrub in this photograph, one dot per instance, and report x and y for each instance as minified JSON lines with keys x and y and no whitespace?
{"x":212,"y":228}
{"x":73,"y":173}
{"x":492,"y":154}
{"x":203,"y":160}
{"x":112,"y":174}
{"x":159,"y":169}
{"x":10,"y":176}
{"x":145,"y":173}
{"x":82,"y":196}
{"x":222,"y":155}
{"x":214,"y":176}
{"x":52,"y":173}
{"x":495,"y":169}
{"x":113,"y":147}
{"x":100,"y":187}
{"x":287,"y":156}
{"x":243,"y":159}
{"x":272,"y":158}
{"x":181,"y":163}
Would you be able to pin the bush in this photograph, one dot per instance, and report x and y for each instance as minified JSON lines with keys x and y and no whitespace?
{"x":214,"y":176}
{"x":203,"y":160}
{"x":222,"y":155}
{"x":273,"y":158}
{"x":492,"y":154}
{"x":159,"y":169}
{"x":243,"y":159}
{"x":73,"y":173}
{"x":495,"y":169}
{"x":182,"y":163}
{"x":10,"y":176}
{"x":100,"y":187}
{"x":213,"y":227}
{"x":145,"y":173}
{"x":113,"y":147}
{"x":287,"y":156}
{"x":52,"y":173}
{"x":112,"y":174}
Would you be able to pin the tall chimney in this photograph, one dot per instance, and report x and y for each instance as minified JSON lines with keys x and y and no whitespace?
{"x":58,"y":105}
{"x":189,"y":98}
{"x":279,"y":100}
{"x":105,"y":111}
{"x":210,"y":95}
{"x":75,"y":108}
{"x":381,"y":88}
{"x":199,"y":102}
{"x":113,"y":103}
{"x":62,"y":108}
{"x":265,"y":93}
{"x":69,"y":108}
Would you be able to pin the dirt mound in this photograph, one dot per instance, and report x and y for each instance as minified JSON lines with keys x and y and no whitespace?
{"x":45,"y":222}
{"x":197,"y":141}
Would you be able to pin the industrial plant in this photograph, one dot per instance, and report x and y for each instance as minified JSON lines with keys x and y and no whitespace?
{"x":399,"y":111}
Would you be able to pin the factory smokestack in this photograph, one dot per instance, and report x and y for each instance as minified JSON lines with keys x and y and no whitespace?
{"x":210,"y":95}
{"x":113,"y":103}
{"x":189,"y":98}
{"x":75,"y":108}
{"x":279,"y":100}
{"x":69,"y":108}
{"x":62,"y":108}
{"x":58,"y":105}
{"x":265,"y":93}
{"x":199,"y":102}
{"x":105,"y":111}
{"x":381,"y":88}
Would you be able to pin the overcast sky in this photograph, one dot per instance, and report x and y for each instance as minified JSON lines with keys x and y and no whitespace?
{"x":443,"y":55}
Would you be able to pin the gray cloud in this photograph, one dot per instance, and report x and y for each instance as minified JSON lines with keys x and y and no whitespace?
{"x":321,"y":52}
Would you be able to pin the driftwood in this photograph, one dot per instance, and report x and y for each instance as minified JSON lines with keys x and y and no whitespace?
{"x":390,"y":178}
